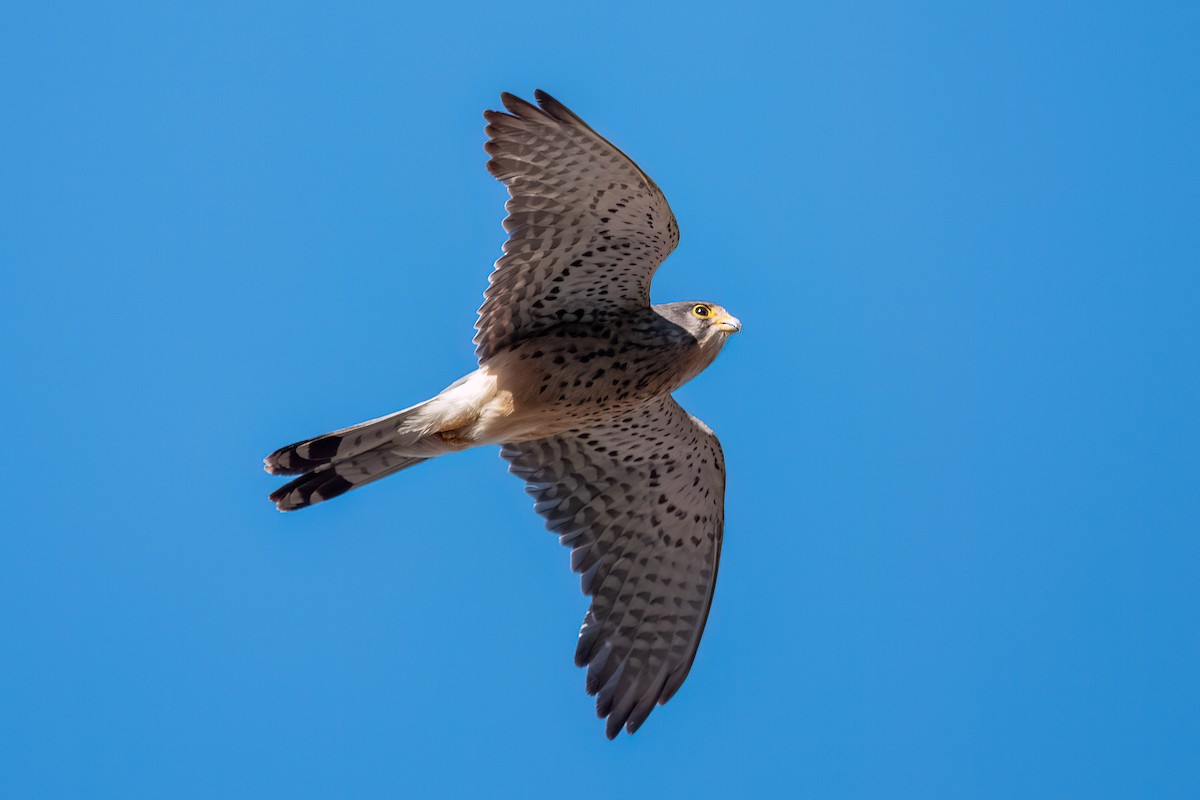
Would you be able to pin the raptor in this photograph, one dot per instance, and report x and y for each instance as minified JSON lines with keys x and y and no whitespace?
{"x":576,"y":371}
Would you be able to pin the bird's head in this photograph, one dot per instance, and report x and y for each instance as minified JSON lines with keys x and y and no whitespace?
{"x":708,"y":322}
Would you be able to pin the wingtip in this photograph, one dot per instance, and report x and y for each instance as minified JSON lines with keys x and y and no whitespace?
{"x":516,"y":105}
{"x":553,"y":107}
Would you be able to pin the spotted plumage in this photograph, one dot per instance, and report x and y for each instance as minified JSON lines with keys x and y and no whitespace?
{"x":576,"y":371}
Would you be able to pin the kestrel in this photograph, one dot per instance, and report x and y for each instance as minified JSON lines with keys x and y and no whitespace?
{"x":576,"y":371}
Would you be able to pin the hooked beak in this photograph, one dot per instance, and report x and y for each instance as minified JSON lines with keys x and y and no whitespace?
{"x":729,"y":324}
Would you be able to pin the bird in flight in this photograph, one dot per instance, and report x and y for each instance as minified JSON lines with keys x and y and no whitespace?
{"x":576,"y":371}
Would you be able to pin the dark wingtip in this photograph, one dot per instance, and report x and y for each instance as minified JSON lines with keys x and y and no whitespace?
{"x":546,"y":100}
{"x":674,"y":680}
{"x":517,"y":106}
{"x":554,"y":108}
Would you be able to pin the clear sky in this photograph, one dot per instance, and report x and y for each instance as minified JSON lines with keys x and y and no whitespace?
{"x":962,"y":555}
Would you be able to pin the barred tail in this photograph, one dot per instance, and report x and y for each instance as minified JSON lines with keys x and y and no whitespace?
{"x":338,"y":477}
{"x":334,"y":463}
{"x":337,"y":462}
{"x":309,"y":454}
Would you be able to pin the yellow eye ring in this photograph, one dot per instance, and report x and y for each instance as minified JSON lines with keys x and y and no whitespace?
{"x":702,"y":311}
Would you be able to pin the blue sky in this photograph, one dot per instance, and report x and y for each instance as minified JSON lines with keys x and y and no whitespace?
{"x":961,"y":556}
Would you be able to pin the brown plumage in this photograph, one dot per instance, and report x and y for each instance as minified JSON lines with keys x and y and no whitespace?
{"x":576,"y":371}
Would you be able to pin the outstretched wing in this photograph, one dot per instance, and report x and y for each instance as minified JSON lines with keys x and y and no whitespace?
{"x":587,"y":228}
{"x":640,"y":501}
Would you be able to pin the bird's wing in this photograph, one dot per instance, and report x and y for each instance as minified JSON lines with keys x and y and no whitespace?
{"x":587,"y":228}
{"x":640,"y":500}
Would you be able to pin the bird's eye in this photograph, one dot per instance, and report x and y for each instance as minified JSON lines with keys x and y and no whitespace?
{"x":703,"y":312}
